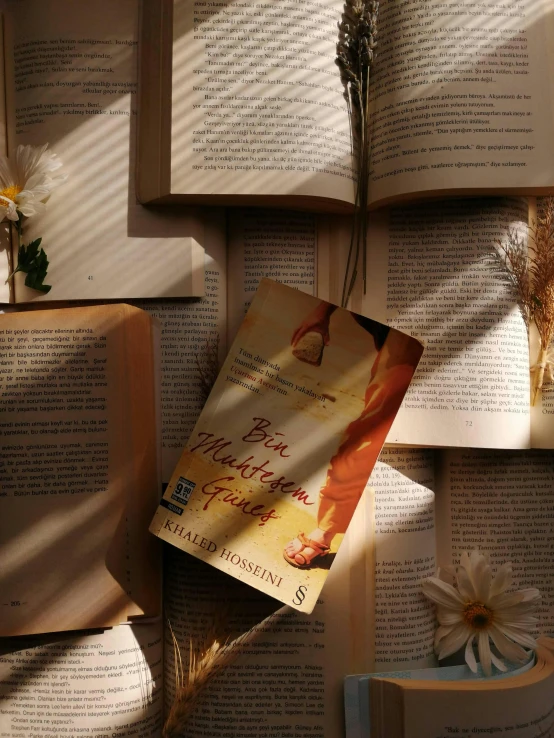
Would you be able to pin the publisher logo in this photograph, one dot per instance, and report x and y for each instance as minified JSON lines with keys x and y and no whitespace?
{"x":170,"y":506}
{"x":183,"y":490}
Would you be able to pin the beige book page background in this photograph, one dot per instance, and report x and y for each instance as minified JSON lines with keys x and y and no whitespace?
{"x":83,"y":683}
{"x":71,"y":82}
{"x":258,"y":104}
{"x":78,"y":475}
{"x":525,"y":711}
{"x":463,"y":97}
{"x":265,"y":243}
{"x":430,"y":275}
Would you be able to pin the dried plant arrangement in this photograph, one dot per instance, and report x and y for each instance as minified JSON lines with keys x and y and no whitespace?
{"x":355,"y":56}
{"x":205,"y":661}
{"x":208,"y":367}
{"x":531,"y":273}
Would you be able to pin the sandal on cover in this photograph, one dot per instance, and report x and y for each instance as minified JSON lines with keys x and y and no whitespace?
{"x":319,"y":548}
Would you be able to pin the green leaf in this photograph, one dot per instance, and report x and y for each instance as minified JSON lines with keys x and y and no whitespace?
{"x":27,"y":255}
{"x":32,"y":259}
{"x":37,"y":272}
{"x":536,"y":300}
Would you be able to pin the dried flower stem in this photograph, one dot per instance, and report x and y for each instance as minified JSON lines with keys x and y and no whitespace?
{"x":208,"y":368}
{"x":541,"y":271}
{"x":203,"y":665}
{"x":532,"y":276}
{"x":355,"y":54}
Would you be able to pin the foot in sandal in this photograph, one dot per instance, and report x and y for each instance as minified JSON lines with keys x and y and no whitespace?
{"x":304,"y":551}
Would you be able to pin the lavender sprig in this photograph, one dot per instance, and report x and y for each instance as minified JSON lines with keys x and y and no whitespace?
{"x":355,"y":56}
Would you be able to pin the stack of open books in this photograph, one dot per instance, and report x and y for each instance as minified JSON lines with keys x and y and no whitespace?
{"x":241,"y":104}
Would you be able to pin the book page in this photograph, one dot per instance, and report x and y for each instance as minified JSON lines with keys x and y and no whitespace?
{"x":72,"y":82}
{"x":501,"y":503}
{"x":289,"y":671}
{"x":258,"y":105}
{"x":265,"y":243}
{"x":525,"y":710}
{"x":460,"y":97}
{"x":403,"y":481}
{"x":104,"y":683}
{"x":78,"y":474}
{"x":192,"y":336}
{"x":430,"y":275}
{"x":5,"y":241}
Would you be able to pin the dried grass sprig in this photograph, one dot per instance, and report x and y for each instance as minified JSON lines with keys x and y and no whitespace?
{"x":204,"y":663}
{"x":541,"y":272}
{"x":531,"y":272}
{"x":355,"y":56}
{"x":514,"y":269}
{"x":208,"y":367}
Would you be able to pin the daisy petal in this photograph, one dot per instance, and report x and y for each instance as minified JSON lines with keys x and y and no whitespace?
{"x":470,"y":656}
{"x":449,"y":617}
{"x":506,"y":647}
{"x":500,"y":665}
{"x":484,"y":652}
{"x":502,"y":580}
{"x":519,"y":636}
{"x":454,"y":640}
{"x":441,"y":593}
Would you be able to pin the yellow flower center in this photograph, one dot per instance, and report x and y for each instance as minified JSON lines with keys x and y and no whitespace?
{"x":477,"y":615}
{"x":10,"y":192}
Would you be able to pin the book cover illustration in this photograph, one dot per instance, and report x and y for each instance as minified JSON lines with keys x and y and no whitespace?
{"x":283,"y":449}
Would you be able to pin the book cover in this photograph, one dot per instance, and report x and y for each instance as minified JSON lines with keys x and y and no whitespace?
{"x":283,"y":449}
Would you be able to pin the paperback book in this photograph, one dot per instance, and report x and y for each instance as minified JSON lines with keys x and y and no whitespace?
{"x":286,"y":442}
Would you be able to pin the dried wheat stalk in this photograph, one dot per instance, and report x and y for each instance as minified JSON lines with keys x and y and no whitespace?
{"x":355,"y":56}
{"x":514,"y":269}
{"x":204,"y":663}
{"x":541,"y":272}
{"x":532,"y":275}
{"x":208,"y":368}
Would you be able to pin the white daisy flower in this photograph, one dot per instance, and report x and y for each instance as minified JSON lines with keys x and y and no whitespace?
{"x":479,"y":609}
{"x":27,"y":180}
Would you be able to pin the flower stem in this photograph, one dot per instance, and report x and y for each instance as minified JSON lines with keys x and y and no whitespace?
{"x":18,"y":226}
{"x":539,"y":374}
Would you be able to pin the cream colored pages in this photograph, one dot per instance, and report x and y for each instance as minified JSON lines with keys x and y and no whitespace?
{"x":5,"y":242}
{"x":405,"y":548}
{"x":501,"y":503}
{"x":264,"y":243}
{"x":258,"y":105}
{"x":521,"y":711}
{"x":72,"y":82}
{"x":104,"y":683}
{"x":77,"y":469}
{"x":429,"y":275}
{"x":462,"y":97}
{"x":192,"y":335}
{"x":290,"y":670}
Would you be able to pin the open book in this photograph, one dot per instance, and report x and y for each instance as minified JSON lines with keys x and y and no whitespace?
{"x":451,"y":701}
{"x":247,"y":102}
{"x":430,"y":275}
{"x":79,"y":475}
{"x":289,"y":670}
{"x":69,"y":79}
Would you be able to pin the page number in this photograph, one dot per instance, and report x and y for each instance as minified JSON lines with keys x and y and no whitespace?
{"x":90,"y":277}
{"x":469,"y":423}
